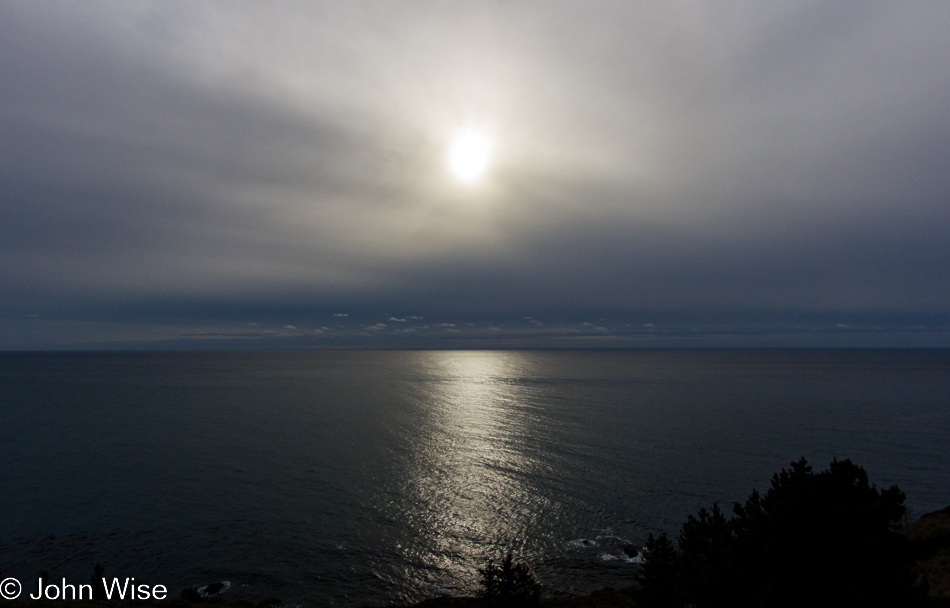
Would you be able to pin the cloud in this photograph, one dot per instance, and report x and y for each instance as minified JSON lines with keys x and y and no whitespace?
{"x":208,"y":163}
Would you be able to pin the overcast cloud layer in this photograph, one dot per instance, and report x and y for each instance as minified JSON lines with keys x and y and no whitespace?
{"x":178,"y":174}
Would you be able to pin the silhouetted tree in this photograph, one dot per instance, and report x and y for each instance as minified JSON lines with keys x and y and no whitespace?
{"x":826,"y":538}
{"x":708,"y":560}
{"x":509,"y":584}
{"x":659,"y":576}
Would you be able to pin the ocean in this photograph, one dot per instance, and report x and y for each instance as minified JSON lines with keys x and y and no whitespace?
{"x":365,"y":477}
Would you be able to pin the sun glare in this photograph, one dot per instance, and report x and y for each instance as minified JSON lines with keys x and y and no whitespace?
{"x":468,"y":156}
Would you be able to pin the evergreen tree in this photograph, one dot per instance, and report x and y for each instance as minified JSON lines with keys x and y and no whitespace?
{"x":826,"y":538}
{"x":509,"y":584}
{"x":659,"y":577}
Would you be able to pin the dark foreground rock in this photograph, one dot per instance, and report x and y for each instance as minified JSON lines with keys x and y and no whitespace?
{"x":930,"y":536}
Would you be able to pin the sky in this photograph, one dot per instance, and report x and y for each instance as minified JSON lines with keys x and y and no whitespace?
{"x":178,"y":174}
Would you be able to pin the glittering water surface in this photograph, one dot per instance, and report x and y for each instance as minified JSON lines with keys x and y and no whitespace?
{"x":365,"y":477}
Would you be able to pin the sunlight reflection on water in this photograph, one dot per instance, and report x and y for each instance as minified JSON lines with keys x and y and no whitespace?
{"x":465,"y":491}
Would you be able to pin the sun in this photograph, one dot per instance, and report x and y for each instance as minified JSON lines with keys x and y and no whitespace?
{"x":469,"y":154}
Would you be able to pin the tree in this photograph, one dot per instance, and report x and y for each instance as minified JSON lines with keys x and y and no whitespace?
{"x":826,"y":538}
{"x":708,"y":559}
{"x":509,"y":584}
{"x":660,"y":575}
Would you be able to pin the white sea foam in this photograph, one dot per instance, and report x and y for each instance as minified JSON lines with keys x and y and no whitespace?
{"x":636,"y":559}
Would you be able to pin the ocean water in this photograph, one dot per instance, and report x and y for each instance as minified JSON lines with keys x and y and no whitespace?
{"x":351,"y":478}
